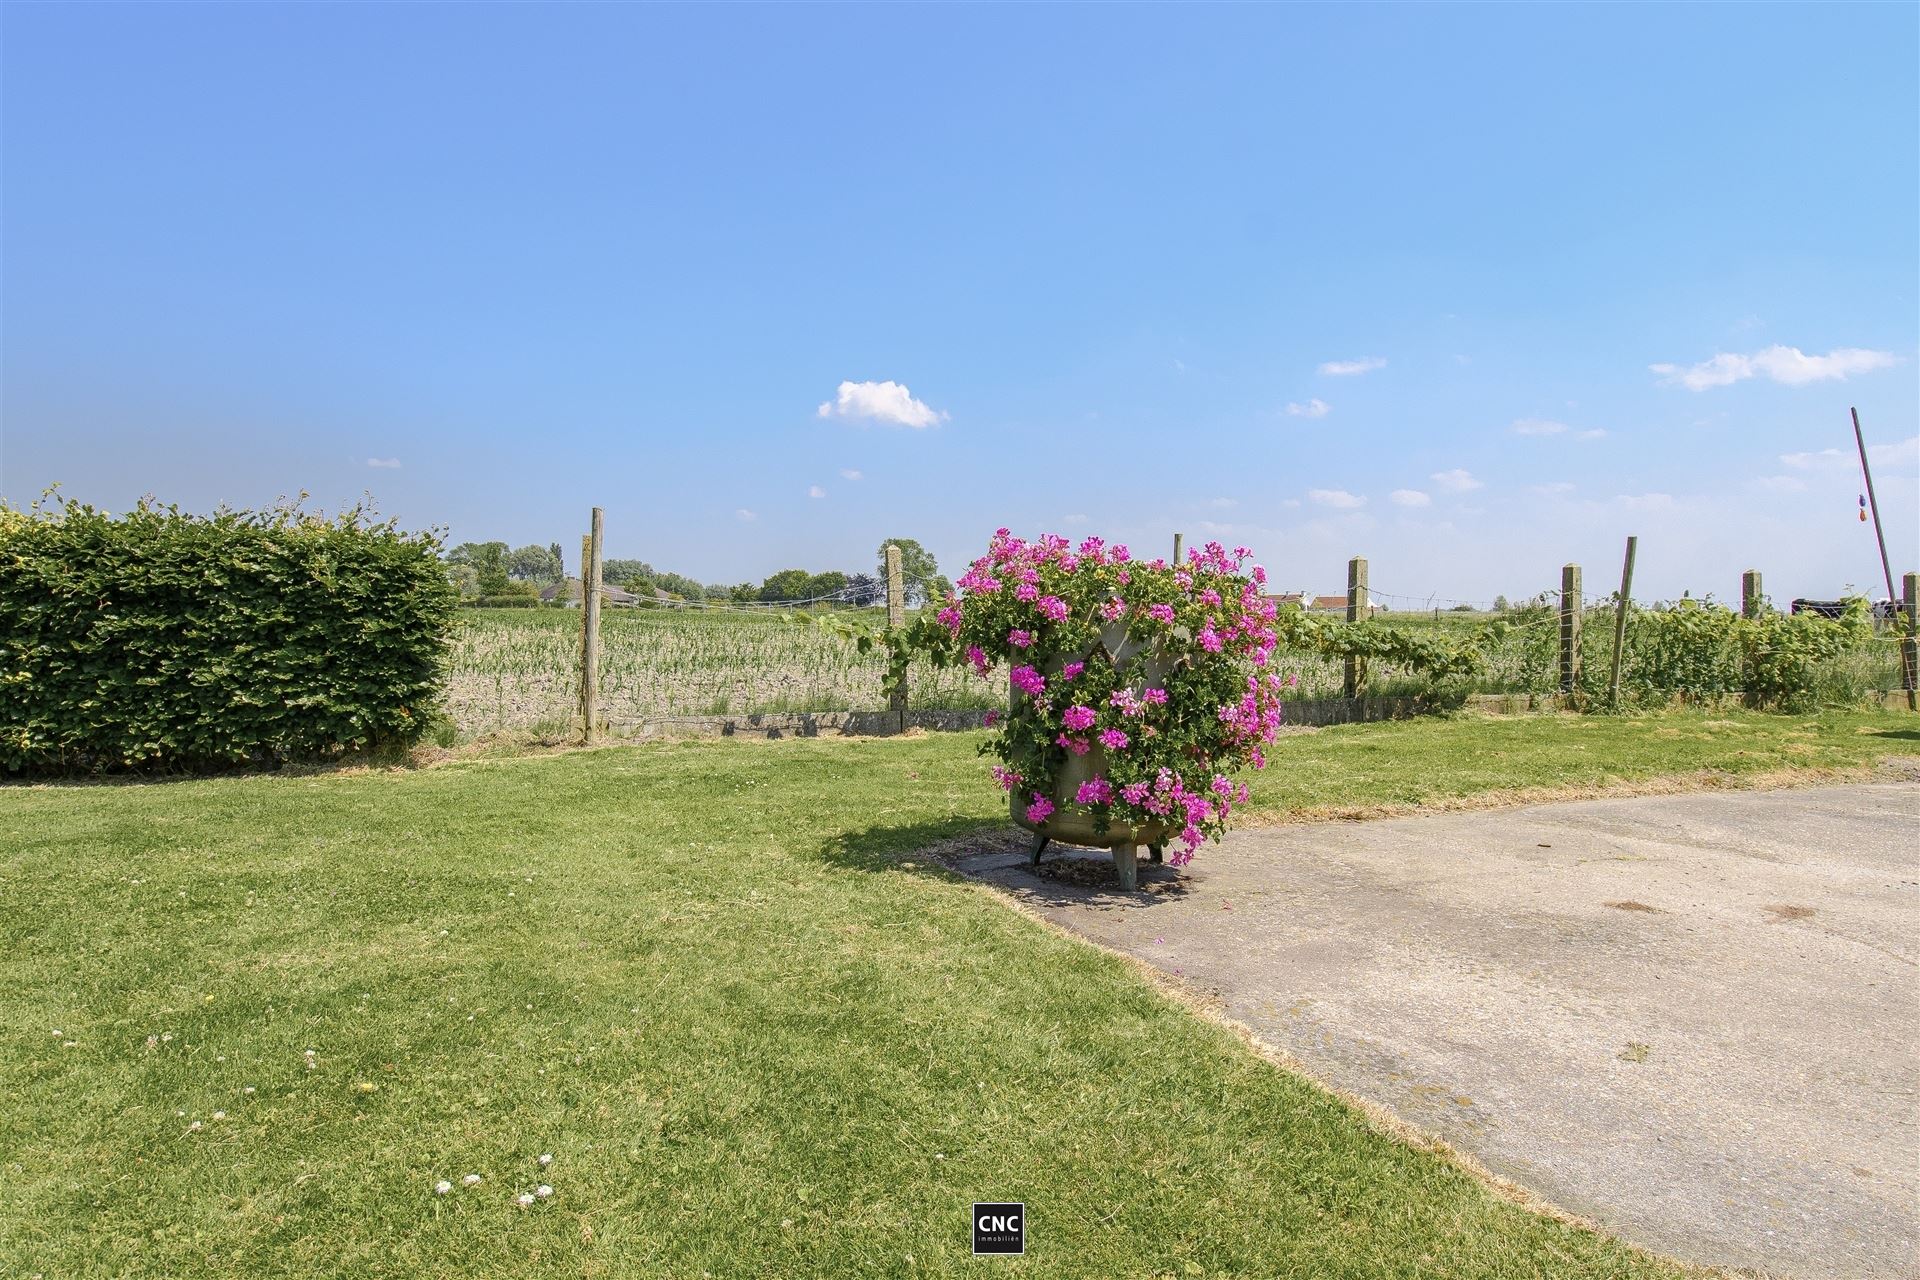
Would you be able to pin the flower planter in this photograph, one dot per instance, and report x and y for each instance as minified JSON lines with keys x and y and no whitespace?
{"x":1139,"y":688}
{"x":1072,"y":823}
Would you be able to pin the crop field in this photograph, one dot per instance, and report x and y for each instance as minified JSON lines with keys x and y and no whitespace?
{"x":517,"y":669}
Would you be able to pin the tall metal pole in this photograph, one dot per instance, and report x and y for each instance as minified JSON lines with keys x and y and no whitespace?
{"x":1861,"y":442}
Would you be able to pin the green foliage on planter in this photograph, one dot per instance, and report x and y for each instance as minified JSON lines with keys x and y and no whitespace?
{"x":163,"y":638}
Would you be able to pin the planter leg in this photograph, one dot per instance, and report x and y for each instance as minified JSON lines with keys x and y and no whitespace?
{"x":1126,"y":866}
{"x":1040,"y":844}
{"x":1155,"y":853}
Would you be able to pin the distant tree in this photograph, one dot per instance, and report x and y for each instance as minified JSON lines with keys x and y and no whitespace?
{"x":865,"y":589}
{"x":743,"y":593}
{"x":916,"y":566}
{"x":788,"y":584}
{"x":1499,"y":604}
{"x":719,"y":591}
{"x":559,"y":560}
{"x":937,"y":587}
{"x":627,"y":573}
{"x":534,"y":564}
{"x":679,"y":584}
{"x":489,"y":562}
{"x":464,"y":579}
{"x":825,"y":584}
{"x":1462,"y":608}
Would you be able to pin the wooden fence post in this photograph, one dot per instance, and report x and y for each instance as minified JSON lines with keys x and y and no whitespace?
{"x":896,"y":618}
{"x":1179,"y":543}
{"x":1572,"y":614}
{"x":1910,"y":647}
{"x":590,"y":631}
{"x":1620,"y":621}
{"x":1752,"y":601}
{"x":1356,"y":600}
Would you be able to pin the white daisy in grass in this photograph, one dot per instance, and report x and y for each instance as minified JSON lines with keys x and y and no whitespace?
{"x":195,"y":1127}
{"x":441,"y":1187}
{"x":523,"y":1199}
{"x":471,"y":1180}
{"x":219,"y":1115}
{"x":546,"y":1158}
{"x":543,"y":1191}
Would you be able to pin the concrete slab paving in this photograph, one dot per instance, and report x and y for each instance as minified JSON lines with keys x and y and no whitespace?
{"x":1694,"y":1019}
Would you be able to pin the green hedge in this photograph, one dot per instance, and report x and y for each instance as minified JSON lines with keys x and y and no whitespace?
{"x":503,"y":602}
{"x":158,"y":638}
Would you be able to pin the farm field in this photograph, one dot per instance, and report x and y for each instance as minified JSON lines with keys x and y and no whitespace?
{"x":252,"y":1021}
{"x":515,"y":670}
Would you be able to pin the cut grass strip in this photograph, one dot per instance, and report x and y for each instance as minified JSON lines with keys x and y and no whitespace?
{"x":759,"y":1034}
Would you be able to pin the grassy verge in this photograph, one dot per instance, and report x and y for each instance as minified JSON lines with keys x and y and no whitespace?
{"x":759,"y":1037}
{"x":1439,"y":762}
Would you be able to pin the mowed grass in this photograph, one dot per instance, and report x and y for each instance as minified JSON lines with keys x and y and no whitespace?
{"x":759,"y":1035}
{"x":1441,"y":761}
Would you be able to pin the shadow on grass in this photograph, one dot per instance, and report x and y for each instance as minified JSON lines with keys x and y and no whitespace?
{"x":997,"y":853}
{"x":1898,"y":735}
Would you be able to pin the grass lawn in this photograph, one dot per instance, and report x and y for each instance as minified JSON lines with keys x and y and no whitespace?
{"x":757,"y":1036}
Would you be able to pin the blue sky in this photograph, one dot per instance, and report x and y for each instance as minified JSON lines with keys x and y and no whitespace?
{"x":1323,"y":281}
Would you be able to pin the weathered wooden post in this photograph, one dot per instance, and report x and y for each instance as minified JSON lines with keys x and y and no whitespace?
{"x":590,"y":631}
{"x":896,"y":618}
{"x":1179,"y":544}
{"x":1752,"y":600}
{"x":1356,"y":600}
{"x":1620,"y":621}
{"x":1571,"y":615}
{"x":1910,"y":647}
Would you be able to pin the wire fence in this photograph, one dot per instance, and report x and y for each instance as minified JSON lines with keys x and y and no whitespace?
{"x":517,"y":670}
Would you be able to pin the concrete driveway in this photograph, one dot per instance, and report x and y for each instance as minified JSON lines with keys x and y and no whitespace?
{"x":1694,"y":1019}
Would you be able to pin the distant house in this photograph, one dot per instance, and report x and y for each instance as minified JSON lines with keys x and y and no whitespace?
{"x":574,"y":591}
{"x":1317,"y":603}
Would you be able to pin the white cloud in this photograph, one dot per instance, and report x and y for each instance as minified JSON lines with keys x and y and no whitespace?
{"x":1339,"y":499}
{"x":390,"y":464}
{"x":1902,"y":456}
{"x":1351,"y":368}
{"x":815,"y":491}
{"x":1786,"y":365}
{"x":888,"y":402}
{"x":1315,"y":408}
{"x":1548,"y":427}
{"x":1824,"y":460}
{"x":850,"y":474}
{"x":1458,"y":480}
{"x":1410,"y":498}
{"x":1078,"y":517}
{"x":1646,"y":501}
{"x":743,"y":514}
